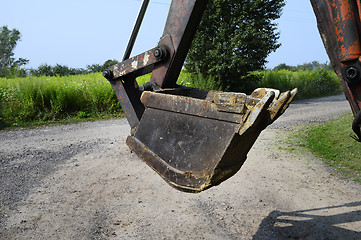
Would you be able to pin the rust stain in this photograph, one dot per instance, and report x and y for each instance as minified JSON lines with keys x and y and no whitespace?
{"x":345,"y":21}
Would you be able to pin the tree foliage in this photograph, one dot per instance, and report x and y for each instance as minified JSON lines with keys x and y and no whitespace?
{"x":63,"y":70}
{"x":57,"y":70}
{"x":9,"y":66}
{"x":234,"y":38}
{"x":306,"y":66}
{"x":101,"y":68}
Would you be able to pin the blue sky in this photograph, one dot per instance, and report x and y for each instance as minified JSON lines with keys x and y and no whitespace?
{"x":77,"y":32}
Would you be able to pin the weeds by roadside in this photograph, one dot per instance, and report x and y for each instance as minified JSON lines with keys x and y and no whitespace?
{"x":41,"y":99}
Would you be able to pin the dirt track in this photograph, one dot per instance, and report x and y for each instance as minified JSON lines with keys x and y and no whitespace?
{"x":80,"y":181}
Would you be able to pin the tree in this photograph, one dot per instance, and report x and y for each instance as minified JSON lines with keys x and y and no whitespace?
{"x":101,"y":68}
{"x":57,"y":70}
{"x":306,"y":66}
{"x":43,"y":70}
{"x":234,"y":39}
{"x":314,"y":65}
{"x":108,"y":63}
{"x":94,"y":68}
{"x":284,"y":66}
{"x":8,"y":40}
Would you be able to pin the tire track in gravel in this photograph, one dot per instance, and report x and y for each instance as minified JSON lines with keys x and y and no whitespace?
{"x":20,"y":171}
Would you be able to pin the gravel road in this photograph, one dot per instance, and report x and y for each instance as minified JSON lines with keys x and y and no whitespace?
{"x":80,"y":181}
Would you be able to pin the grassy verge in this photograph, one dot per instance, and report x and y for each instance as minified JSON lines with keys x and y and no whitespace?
{"x":332,"y":142}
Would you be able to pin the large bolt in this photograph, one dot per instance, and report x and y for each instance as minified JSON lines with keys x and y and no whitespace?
{"x":108,"y":74}
{"x":158,"y":53}
{"x":161,"y":53}
{"x":352,"y":73}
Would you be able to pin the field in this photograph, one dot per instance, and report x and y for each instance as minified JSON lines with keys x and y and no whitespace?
{"x":34,"y":100}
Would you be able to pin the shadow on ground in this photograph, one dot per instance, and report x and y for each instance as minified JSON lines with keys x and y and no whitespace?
{"x":3,"y":124}
{"x":335,"y":222}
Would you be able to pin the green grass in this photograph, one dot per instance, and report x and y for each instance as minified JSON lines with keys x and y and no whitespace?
{"x":40,"y":99}
{"x":332,"y":142}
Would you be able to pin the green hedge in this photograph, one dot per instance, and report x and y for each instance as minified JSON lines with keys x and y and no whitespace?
{"x":310,"y":83}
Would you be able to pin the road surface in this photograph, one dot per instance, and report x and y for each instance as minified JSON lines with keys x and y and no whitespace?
{"x":80,"y":181}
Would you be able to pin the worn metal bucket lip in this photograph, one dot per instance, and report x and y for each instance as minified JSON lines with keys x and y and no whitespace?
{"x":149,"y":157}
{"x":145,"y":153}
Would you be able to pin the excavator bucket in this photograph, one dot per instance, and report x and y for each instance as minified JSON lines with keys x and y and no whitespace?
{"x":195,"y":139}
{"x":192,"y":138}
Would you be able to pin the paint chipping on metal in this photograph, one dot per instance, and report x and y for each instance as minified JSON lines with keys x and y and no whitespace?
{"x":146,"y":58}
{"x":135,"y":64}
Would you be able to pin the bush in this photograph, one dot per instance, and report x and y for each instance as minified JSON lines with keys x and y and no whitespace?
{"x":310,"y":83}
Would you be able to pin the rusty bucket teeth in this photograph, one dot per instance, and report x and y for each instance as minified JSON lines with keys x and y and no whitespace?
{"x":279,"y":106}
{"x":195,"y":139}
